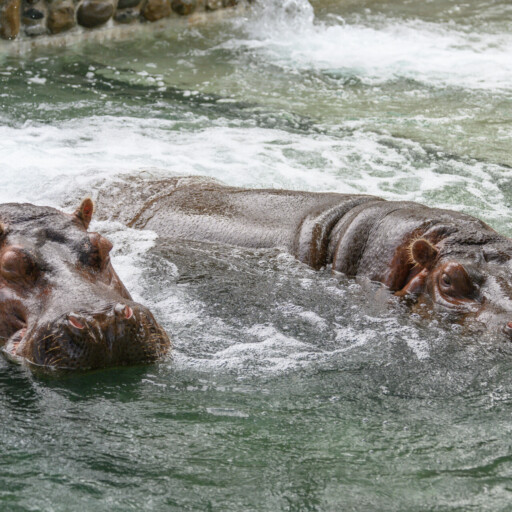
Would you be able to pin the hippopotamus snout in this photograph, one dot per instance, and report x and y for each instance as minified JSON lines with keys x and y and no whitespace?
{"x":119,"y":334}
{"x":62,"y":304}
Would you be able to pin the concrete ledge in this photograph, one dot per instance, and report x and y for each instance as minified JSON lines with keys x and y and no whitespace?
{"x":112,"y":30}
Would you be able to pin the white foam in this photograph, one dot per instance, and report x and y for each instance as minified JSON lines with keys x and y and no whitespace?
{"x":46,"y":164}
{"x":437,"y":54}
{"x":274,"y":351}
{"x":297,"y":312}
{"x":129,"y":253}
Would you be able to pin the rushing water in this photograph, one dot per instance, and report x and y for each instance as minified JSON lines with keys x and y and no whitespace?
{"x":289,"y":389}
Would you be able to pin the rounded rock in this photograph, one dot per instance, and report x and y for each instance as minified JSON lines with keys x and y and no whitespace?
{"x":184,"y":7}
{"x":61,"y":17}
{"x":154,"y":10}
{"x":10,"y":19}
{"x":92,"y":13}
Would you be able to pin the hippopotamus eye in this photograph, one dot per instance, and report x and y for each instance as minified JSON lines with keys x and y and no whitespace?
{"x":455,"y":283}
{"x":17,"y":264}
{"x":445,"y":278}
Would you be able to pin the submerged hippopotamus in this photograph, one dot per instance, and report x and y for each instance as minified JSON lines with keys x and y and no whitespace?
{"x":454,"y":260}
{"x":62,"y":304}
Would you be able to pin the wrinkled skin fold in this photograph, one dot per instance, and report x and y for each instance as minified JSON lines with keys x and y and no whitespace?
{"x":62,"y":305}
{"x":454,"y":261}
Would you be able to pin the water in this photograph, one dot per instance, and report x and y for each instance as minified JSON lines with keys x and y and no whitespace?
{"x":289,"y":389}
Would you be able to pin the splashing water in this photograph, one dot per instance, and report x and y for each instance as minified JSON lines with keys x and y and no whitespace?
{"x":289,"y":388}
{"x":436,"y":54}
{"x":271,"y":18}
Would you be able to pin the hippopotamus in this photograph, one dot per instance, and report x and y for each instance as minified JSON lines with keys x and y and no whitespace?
{"x":62,"y":305}
{"x":451,"y":260}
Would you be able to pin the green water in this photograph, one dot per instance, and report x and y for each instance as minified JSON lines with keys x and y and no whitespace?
{"x":288,"y":389}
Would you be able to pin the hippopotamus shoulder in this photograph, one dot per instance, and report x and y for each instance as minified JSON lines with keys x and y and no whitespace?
{"x":139,"y":192}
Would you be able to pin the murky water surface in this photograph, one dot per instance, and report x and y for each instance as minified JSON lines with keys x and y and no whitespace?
{"x":289,"y":389}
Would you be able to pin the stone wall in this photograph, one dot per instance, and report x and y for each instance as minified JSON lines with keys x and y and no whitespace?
{"x":32,"y":19}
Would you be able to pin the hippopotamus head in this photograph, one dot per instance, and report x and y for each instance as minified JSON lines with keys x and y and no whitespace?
{"x":62,"y":304}
{"x":468,"y":279}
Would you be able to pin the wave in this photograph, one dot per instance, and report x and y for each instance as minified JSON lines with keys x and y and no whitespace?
{"x":45,"y":163}
{"x":377,"y":50}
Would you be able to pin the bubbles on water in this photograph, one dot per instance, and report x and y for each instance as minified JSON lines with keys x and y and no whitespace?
{"x":248,"y":314}
{"x":295,"y":311}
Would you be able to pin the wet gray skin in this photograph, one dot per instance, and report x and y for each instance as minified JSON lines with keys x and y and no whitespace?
{"x":62,"y":305}
{"x":455,"y":262}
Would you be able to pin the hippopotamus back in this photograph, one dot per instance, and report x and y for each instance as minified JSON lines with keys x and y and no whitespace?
{"x":456,"y":260}
{"x":205,"y":210}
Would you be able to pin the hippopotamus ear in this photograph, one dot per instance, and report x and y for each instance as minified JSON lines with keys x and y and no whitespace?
{"x":423,"y":253}
{"x":84,"y":212}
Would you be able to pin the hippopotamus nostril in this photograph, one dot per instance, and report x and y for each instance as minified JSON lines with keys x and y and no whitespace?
{"x":77,"y":324}
{"x":123,"y":311}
